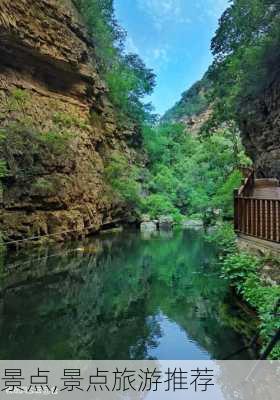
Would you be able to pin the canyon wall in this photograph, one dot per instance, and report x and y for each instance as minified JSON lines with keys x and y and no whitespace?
{"x":57,"y":126}
{"x":260,"y":130}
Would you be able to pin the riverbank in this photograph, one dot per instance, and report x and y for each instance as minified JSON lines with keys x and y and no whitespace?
{"x":255,"y":279}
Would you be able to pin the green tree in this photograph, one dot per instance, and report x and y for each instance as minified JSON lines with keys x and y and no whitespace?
{"x":191,"y":174}
{"x":127,"y":77}
{"x":246,"y":49}
{"x":123,"y":179}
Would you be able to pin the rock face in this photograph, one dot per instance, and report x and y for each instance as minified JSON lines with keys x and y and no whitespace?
{"x":260,"y":127}
{"x":166,"y":222}
{"x":148,"y":226}
{"x":57,"y":127}
{"x":193,"y":223}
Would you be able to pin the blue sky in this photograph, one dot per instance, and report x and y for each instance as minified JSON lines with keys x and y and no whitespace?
{"x":173,"y":38}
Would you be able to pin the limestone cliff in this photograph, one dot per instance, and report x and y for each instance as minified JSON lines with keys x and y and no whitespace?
{"x":57,"y":126}
{"x":260,"y":129}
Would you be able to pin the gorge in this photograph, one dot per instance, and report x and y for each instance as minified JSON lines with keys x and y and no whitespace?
{"x":82,"y":152}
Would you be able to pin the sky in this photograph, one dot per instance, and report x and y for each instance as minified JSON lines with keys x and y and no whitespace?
{"x":173,"y":38}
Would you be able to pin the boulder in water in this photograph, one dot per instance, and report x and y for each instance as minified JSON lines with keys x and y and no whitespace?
{"x":148,"y":226}
{"x":166,"y":222}
{"x":193,"y":224}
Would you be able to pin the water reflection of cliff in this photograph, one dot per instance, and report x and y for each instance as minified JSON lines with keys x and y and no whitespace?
{"x":100,"y":299}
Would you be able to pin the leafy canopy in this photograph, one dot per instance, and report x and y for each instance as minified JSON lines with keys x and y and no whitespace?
{"x":127,"y":77}
{"x":247,"y":53}
{"x":192,"y":173}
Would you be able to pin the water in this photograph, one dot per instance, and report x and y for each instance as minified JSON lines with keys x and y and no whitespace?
{"x":120,"y":296}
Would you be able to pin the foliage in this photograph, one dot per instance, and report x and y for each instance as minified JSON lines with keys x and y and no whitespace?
{"x":129,"y":81}
{"x":65,"y":120}
{"x":123,"y":178}
{"x":106,"y":34}
{"x":43,"y":185}
{"x":127,"y":77}
{"x":193,"y":173}
{"x":224,"y":238}
{"x":246,"y":49}
{"x":244,"y":270}
{"x":159,"y":204}
{"x":17,"y":100}
{"x":246,"y":54}
{"x":35,"y":147}
{"x":237,"y":267}
{"x":223,"y":196}
{"x":193,"y":102}
{"x":56,"y":140}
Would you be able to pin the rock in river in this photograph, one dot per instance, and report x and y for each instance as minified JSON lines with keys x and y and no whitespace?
{"x":148,"y":227}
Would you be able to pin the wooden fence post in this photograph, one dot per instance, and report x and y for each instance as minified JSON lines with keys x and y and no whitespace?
{"x":236,"y":210}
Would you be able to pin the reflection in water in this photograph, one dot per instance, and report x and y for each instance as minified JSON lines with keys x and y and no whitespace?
{"x":119,"y":296}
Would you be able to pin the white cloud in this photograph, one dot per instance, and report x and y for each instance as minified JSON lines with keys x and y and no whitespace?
{"x":158,"y":57}
{"x":163,"y":11}
{"x":160,"y":54}
{"x":176,"y":11}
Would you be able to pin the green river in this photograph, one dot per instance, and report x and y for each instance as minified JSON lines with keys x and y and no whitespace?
{"x":120,"y":296}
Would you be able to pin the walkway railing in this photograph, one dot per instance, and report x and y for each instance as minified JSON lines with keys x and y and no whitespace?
{"x":257,"y":217}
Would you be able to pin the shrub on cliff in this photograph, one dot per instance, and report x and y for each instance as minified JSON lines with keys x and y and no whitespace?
{"x":123,"y":179}
{"x":246,"y":50}
{"x":127,"y":77}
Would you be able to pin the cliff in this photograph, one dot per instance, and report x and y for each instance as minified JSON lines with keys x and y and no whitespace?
{"x":193,"y":106}
{"x":259,"y":120}
{"x":57,"y":127}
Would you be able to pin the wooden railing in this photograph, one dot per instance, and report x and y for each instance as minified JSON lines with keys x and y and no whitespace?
{"x":248,"y":182}
{"x":257,"y":217}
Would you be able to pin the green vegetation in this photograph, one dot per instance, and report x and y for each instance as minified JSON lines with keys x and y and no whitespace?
{"x":35,"y":147}
{"x":65,"y":120}
{"x":17,"y":100}
{"x":245,"y":273}
{"x":189,"y":174}
{"x":193,"y":102}
{"x":123,"y":179}
{"x":246,"y":50}
{"x":246,"y":54}
{"x":56,"y":140}
{"x":127,"y":77}
{"x":43,"y":185}
{"x":186,"y":175}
